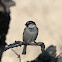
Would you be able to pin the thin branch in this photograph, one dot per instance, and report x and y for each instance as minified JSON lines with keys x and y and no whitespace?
{"x":17,"y":54}
{"x":20,"y":43}
{"x":19,"y":58}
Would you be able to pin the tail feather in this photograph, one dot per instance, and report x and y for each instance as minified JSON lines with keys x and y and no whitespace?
{"x":24,"y":49}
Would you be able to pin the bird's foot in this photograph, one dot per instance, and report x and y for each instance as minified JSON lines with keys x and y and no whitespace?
{"x":35,"y":42}
{"x":24,"y":52}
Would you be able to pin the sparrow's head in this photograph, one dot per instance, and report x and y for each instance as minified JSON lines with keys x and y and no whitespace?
{"x":29,"y":23}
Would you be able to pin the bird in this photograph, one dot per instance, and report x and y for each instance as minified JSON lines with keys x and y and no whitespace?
{"x":30,"y":34}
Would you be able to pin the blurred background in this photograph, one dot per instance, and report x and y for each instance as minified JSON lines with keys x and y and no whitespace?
{"x":47,"y":14}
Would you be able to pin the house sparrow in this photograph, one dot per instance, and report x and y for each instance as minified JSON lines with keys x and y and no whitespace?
{"x":30,"y":34}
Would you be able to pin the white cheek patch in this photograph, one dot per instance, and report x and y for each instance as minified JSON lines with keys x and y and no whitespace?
{"x":31,"y":26}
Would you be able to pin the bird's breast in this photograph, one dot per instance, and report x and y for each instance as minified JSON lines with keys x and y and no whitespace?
{"x":29,"y":35}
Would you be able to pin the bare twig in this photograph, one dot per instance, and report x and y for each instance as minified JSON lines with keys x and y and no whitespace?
{"x":20,"y":43}
{"x":17,"y":54}
{"x":19,"y":58}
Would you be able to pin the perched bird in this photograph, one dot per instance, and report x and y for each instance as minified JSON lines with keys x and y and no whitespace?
{"x":30,"y":34}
